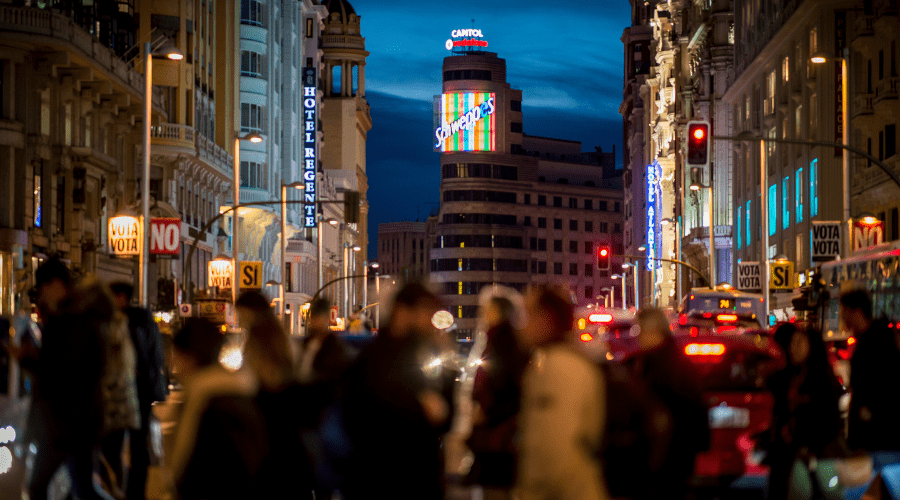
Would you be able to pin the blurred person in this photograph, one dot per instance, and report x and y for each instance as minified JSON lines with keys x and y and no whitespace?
{"x":496,"y":394}
{"x":660,"y":367}
{"x":287,"y":470}
{"x":393,"y":412}
{"x":152,"y":383}
{"x":805,"y":416}
{"x":323,"y":356}
{"x":220,"y":439}
{"x":562,"y":408}
{"x":874,"y":374}
{"x":67,"y":409}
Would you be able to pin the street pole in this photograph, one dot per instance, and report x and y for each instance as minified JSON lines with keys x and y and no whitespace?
{"x":845,"y":129}
{"x":319,"y":252}
{"x":378,"y":298}
{"x":345,"y":284}
{"x":144,"y":261}
{"x":236,"y":219}
{"x":365,"y":290}
{"x":637,"y":291}
{"x":283,"y":251}
{"x":679,"y":276}
{"x":712,"y":230}
{"x":764,"y":225}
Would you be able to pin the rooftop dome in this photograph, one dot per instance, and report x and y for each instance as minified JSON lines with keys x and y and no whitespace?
{"x":341,"y":7}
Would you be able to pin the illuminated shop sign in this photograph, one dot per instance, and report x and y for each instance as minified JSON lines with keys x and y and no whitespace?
{"x":310,"y":157}
{"x":465,"y":122}
{"x":465,"y":38}
{"x":653,"y":227}
{"x":124,"y":236}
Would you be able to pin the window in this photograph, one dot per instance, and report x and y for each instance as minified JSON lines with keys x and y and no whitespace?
{"x":251,"y":64}
{"x":798,"y":195}
{"x":589,"y":292}
{"x":785,"y":203}
{"x":515,"y":127}
{"x":617,"y":228}
{"x":557,"y":268}
{"x":534,"y":267}
{"x":515,"y":105}
{"x":785,"y":69}
{"x":588,"y":247}
{"x":527,"y":221}
{"x":588,"y":204}
{"x":588,"y":226}
{"x":573,"y":202}
{"x":542,"y":245}
{"x":588,"y":269}
{"x":253,"y":175}
{"x":478,"y":170}
{"x":252,"y":12}
{"x":542,"y":200}
{"x":737,"y":221}
{"x":773,"y":208}
{"x":542,"y":267}
{"x":573,"y":269}
{"x":573,"y":247}
{"x":251,"y":118}
{"x":533,"y":245}
{"x":557,"y":245}
{"x":527,"y":199}
{"x":573,"y":225}
{"x":602,"y":206}
{"x":467,"y":74}
{"x":813,"y":188}
{"x":557,"y":201}
{"x":542,"y":222}
{"x":749,"y":224}
{"x":604,"y":227}
{"x":617,"y":207}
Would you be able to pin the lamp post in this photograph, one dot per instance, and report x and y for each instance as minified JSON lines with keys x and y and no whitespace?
{"x":652,"y":287}
{"x":819,"y":58}
{"x":333,"y":223}
{"x":281,"y":295}
{"x":172,"y":53}
{"x":634,"y":273}
{"x":695,"y":186}
{"x":624,"y":290}
{"x":352,"y":283}
{"x":236,"y":216}
{"x":666,"y":222}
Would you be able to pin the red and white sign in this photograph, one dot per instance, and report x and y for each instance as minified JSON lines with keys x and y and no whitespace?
{"x":867,"y":234}
{"x":165,"y":236}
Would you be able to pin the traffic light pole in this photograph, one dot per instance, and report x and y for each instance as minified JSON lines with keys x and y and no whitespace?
{"x":671,"y":261}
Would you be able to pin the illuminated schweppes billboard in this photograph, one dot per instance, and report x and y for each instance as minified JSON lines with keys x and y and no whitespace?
{"x":465,"y":121}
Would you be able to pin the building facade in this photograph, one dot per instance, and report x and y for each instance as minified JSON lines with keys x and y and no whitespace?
{"x":403,"y":249}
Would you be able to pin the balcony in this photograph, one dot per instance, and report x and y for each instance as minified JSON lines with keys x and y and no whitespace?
{"x":173,"y":139}
{"x":862,"y":104}
{"x":769,"y":106}
{"x":886,"y":89}
{"x":214,"y":155}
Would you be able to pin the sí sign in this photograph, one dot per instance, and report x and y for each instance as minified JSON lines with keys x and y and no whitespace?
{"x":310,"y":157}
{"x":749,"y":279}
{"x":124,"y":236}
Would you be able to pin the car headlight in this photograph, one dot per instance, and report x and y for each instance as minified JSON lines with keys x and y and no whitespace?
{"x":7,"y":434}
{"x":6,"y":459}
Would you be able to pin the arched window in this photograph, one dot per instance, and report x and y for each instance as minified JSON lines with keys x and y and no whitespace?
{"x":336,"y":79}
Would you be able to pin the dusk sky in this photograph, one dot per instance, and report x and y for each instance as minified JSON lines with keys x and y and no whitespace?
{"x":566,"y":57}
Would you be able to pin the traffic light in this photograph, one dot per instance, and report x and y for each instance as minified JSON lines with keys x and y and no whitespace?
{"x":603,"y":255}
{"x":351,"y":206}
{"x":698,"y":143}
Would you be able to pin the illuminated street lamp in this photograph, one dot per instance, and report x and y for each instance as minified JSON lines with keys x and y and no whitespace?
{"x":236,"y":216}
{"x":666,"y":222}
{"x":637,"y":293}
{"x":624,"y":290}
{"x":333,"y":223}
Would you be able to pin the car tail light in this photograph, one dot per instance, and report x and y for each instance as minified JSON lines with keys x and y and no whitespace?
{"x":586,"y":337}
{"x":682,"y":319}
{"x":851,"y":341}
{"x":704,"y":349}
{"x":600,"y":318}
{"x":727,"y":317}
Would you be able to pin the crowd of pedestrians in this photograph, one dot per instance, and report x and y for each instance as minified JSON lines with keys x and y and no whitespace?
{"x":310,"y":417}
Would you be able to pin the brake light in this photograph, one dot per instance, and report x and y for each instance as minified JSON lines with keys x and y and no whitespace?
{"x":682,"y":319}
{"x":851,"y":341}
{"x":586,"y":337}
{"x":704,"y":349}
{"x":694,"y":331}
{"x":727,"y":317}
{"x":707,"y":315}
{"x":600,"y":318}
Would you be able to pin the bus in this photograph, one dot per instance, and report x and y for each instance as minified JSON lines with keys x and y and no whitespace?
{"x":723,"y":303}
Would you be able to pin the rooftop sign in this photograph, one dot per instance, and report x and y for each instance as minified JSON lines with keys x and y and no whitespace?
{"x":460,"y":39}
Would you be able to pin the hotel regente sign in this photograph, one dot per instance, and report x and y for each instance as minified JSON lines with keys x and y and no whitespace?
{"x":310,"y":155}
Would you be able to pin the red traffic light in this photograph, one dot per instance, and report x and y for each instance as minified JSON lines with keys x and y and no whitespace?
{"x":699,"y":133}
{"x":698,"y":143}
{"x":603,"y":255}
{"x":604,"y":252}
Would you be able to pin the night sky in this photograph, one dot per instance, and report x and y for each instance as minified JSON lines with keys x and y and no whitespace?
{"x":565,"y":56}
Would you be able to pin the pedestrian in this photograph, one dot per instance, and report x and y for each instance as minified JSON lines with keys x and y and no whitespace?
{"x":287,"y":470}
{"x":806,"y":421}
{"x":660,"y":367}
{"x":874,"y":375}
{"x":393,"y":412}
{"x":496,"y":395}
{"x":220,"y":440}
{"x":152,"y":383}
{"x":67,"y":408}
{"x":562,"y":408}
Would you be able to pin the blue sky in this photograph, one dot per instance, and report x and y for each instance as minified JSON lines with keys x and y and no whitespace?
{"x":566,"y":57}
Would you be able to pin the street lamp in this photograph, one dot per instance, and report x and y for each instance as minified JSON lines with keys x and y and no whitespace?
{"x":624,"y":290}
{"x":637,"y":293}
{"x":695,"y":186}
{"x":821,"y":58}
{"x":333,"y":223}
{"x":350,"y":270}
{"x":236,"y":216}
{"x":611,"y":297}
{"x":281,"y":295}
{"x":170,"y":51}
{"x":677,"y":222}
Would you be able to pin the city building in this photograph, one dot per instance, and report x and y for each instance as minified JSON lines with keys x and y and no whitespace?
{"x":515,"y":209}
{"x":403,"y":250}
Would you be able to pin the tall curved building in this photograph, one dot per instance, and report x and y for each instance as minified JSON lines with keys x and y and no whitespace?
{"x":515,"y":209}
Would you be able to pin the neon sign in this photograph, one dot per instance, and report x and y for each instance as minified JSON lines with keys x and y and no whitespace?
{"x":310,"y":158}
{"x":465,"y":122}
{"x":470,"y":38}
{"x":653,"y":235}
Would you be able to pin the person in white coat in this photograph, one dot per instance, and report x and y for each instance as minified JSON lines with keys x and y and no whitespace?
{"x":563,"y":408}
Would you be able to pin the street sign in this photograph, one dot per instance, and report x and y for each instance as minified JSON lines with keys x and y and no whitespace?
{"x":185,"y":310}
{"x":867,"y":234}
{"x":781,"y":275}
{"x":215,"y":310}
{"x":251,"y":274}
{"x":219,"y":273}
{"x":165,"y":236}
{"x":749,"y":279}
{"x":826,"y":240}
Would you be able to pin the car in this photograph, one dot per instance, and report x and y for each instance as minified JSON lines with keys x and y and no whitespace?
{"x":605,"y":334}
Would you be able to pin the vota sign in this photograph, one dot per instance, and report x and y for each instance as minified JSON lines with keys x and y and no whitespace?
{"x":653,"y":206}
{"x":465,"y":121}
{"x":310,"y":156}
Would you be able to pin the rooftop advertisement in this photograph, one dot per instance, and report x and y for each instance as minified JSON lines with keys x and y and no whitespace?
{"x":465,"y":121}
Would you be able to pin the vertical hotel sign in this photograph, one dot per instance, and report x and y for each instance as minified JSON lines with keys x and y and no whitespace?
{"x":465,"y":121}
{"x":653,"y":229}
{"x":310,"y":154}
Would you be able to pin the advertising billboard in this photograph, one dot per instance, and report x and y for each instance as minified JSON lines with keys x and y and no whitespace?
{"x":465,"y":121}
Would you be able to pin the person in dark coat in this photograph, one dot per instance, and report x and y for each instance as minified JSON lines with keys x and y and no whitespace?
{"x":496,"y":394}
{"x":220,"y":439}
{"x":874,"y":376}
{"x":323,"y":357}
{"x":660,"y":367}
{"x":67,"y":410}
{"x":805,"y":417}
{"x":152,"y":385}
{"x":394,"y":413}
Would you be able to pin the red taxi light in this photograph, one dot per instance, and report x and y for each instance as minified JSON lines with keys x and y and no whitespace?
{"x":600,"y":318}
{"x":727,"y":317}
{"x":704,"y":349}
{"x":586,"y":337}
